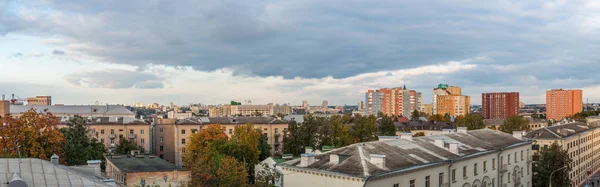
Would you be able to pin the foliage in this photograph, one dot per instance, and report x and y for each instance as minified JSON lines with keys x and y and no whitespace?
{"x":551,"y":159}
{"x":79,"y":147}
{"x":264,"y":147}
{"x":144,"y":112}
{"x":387,"y":128}
{"x":447,"y":117}
{"x":514,"y":123}
{"x":32,"y":135}
{"x":292,"y":139}
{"x":341,"y":132}
{"x":438,"y":118}
{"x":125,"y":146}
{"x":471,"y":121}
{"x":415,"y":115}
{"x":419,"y":134}
{"x":244,"y":146}
{"x":267,"y":177}
{"x":580,"y":116}
{"x":365,"y":129}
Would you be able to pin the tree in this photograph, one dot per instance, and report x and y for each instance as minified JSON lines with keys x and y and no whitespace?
{"x":447,"y":117}
{"x":244,"y":146}
{"x":437,"y":118}
{"x":79,"y":146}
{"x":419,"y":134}
{"x":471,"y":121}
{"x":267,"y":177}
{"x":292,"y":139}
{"x":552,"y":159}
{"x":264,"y":147}
{"x":415,"y":115}
{"x":365,"y":129}
{"x":125,"y":146}
{"x":514,"y":123}
{"x":32,"y":135}
{"x":387,"y":128}
{"x":231,"y":172}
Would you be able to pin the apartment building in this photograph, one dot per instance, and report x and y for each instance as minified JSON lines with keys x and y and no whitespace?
{"x":454,"y":105}
{"x":373,"y":100}
{"x":443,"y":90}
{"x":582,"y":142}
{"x":249,"y":110}
{"x":563,"y":103}
{"x":466,"y":158}
{"x":171,"y":136}
{"x":499,"y":105}
{"x":416,"y":100}
{"x":39,"y":100}
{"x":72,"y":110}
{"x":391,"y":101}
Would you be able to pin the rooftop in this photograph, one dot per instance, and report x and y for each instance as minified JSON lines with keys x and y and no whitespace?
{"x":424,"y":125}
{"x":232,"y":120}
{"x":141,"y":163}
{"x":405,"y":155}
{"x":559,"y":131}
{"x":74,"y":109}
{"x":37,"y":172}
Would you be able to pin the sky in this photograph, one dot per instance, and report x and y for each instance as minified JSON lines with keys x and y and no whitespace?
{"x":266,"y":51}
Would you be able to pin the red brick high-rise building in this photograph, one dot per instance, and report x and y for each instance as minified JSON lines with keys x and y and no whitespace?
{"x":499,"y":105}
{"x":563,"y":103}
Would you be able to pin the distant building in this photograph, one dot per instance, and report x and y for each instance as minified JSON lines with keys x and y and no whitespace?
{"x":563,"y":103}
{"x":443,"y":90}
{"x":499,"y":105}
{"x":249,"y":110}
{"x":428,"y":109}
{"x":4,"y":107}
{"x":465,"y":158}
{"x":178,"y":115}
{"x":141,"y":170}
{"x":416,"y":100}
{"x":578,"y":139}
{"x":305,"y":104}
{"x":39,"y":100}
{"x":373,"y":102}
{"x":72,"y":110}
{"x":325,"y":104}
{"x":361,"y":106}
{"x":454,"y":105}
{"x":390,"y":101}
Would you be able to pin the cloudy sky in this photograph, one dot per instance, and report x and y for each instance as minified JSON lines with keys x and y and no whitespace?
{"x":214,"y":51}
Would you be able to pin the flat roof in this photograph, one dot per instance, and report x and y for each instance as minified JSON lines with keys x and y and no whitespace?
{"x":142,"y":163}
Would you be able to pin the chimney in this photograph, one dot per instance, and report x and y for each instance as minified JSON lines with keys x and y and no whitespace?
{"x":453,"y":148}
{"x":96,"y":165}
{"x":461,"y":129}
{"x":406,"y":135}
{"x":16,"y":180}
{"x":518,"y":135}
{"x":306,"y":159}
{"x":334,"y":159}
{"x":308,"y":149}
{"x":439,"y":143}
{"x":378,"y":160}
{"x":54,"y":159}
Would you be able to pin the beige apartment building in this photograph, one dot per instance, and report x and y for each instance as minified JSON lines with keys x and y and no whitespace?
{"x":454,"y":105}
{"x":171,"y":136}
{"x":39,"y":100}
{"x":463,"y":159}
{"x":248,"y":110}
{"x":582,"y":142}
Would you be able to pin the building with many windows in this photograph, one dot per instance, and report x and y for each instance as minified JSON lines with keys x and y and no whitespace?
{"x":582,"y":142}
{"x":563,"y":103}
{"x":448,"y":100}
{"x":397,"y":101}
{"x":499,"y":105}
{"x":466,"y":158}
{"x":39,"y":100}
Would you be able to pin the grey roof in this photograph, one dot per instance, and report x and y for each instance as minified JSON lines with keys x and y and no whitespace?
{"x":425,"y":125}
{"x":559,"y":131}
{"x":405,"y":155}
{"x":142,"y":163}
{"x":37,"y":172}
{"x":74,"y":109}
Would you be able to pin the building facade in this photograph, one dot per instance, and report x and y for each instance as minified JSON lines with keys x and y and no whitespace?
{"x":581,"y":141}
{"x":499,"y":105}
{"x":39,"y":100}
{"x":373,"y":101}
{"x":465,"y":158}
{"x":4,"y":107}
{"x":454,"y":105}
{"x":563,"y":103}
{"x":249,"y":110}
{"x":144,"y":170}
{"x":391,"y":101}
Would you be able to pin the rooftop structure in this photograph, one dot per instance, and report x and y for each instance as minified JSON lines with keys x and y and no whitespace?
{"x":37,"y":172}
{"x":130,"y":170}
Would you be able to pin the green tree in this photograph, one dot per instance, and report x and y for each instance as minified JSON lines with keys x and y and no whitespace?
{"x":437,"y":118}
{"x":415,"y":115}
{"x":125,"y":147}
{"x":514,"y":123}
{"x":79,"y":146}
{"x":264,"y":147}
{"x":325,"y":135}
{"x":267,"y":177}
{"x":471,"y":121}
{"x":387,"y":128}
{"x":365,"y":129}
{"x":552,"y":159}
{"x":244,"y":146}
{"x":292,"y":139}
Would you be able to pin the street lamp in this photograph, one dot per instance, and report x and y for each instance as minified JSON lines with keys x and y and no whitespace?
{"x":550,"y":183}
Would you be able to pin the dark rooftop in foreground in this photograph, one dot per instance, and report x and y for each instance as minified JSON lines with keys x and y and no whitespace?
{"x":141,"y":163}
{"x":405,"y":155}
{"x":559,"y":131}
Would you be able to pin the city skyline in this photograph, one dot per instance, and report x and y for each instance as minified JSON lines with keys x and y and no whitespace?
{"x":286,"y":52}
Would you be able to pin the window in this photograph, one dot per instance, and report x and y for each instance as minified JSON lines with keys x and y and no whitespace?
{"x":141,"y":131}
{"x":484,"y":166}
{"x":475,"y":169}
{"x":142,"y":141}
{"x":101,"y":131}
{"x":441,"y":179}
{"x":265,"y":129}
{"x":112,"y":131}
{"x":465,"y":172}
{"x":130,"y":131}
{"x":120,"y":130}
{"x":508,"y":160}
{"x":194,"y":131}
{"x":161,"y":130}
{"x":453,"y":175}
{"x":522,"y":171}
{"x":161,"y":156}
{"x":230,"y":131}
{"x":412,"y":183}
{"x":182,"y":131}
{"x":493,"y":163}
{"x":396,"y":185}
{"x":161,"y":148}
{"x":161,"y":139}
{"x":515,"y":157}
{"x":112,"y":141}
{"x":521,"y":155}
{"x":493,"y":182}
{"x":427,"y":181}
{"x":102,"y":140}
{"x":183,"y":141}
{"x":508,"y":177}
{"x":276,"y":130}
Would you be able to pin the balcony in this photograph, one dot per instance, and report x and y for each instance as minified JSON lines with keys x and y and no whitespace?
{"x":112,"y":145}
{"x":503,"y":168}
{"x":111,"y":136}
{"x":131,"y":136}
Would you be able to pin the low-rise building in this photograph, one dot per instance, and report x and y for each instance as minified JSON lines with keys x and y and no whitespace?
{"x":579,"y":139}
{"x":72,"y":110}
{"x":140,"y":170}
{"x":179,"y":115}
{"x":467,"y":158}
{"x":39,"y":100}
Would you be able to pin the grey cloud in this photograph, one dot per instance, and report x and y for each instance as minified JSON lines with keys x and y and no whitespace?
{"x":117,"y":79}
{"x":58,"y":52}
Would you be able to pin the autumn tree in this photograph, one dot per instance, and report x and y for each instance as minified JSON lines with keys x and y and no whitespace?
{"x":32,"y":135}
{"x":387,"y":128}
{"x":244,"y":146}
{"x":419,"y":134}
{"x":552,"y":159}
{"x":125,"y":146}
{"x":438,"y":118}
{"x":471,"y":121}
{"x":79,"y":146}
{"x":514,"y":123}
